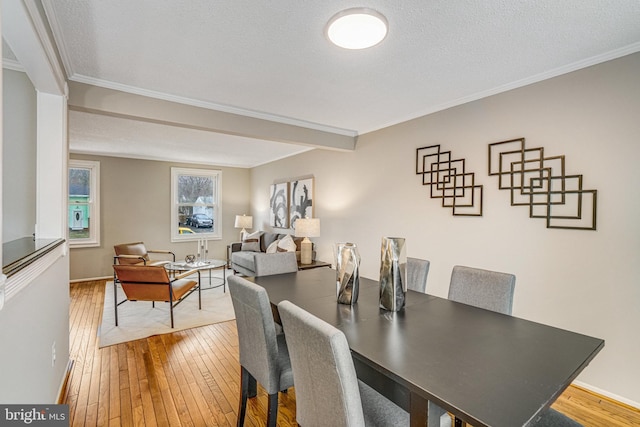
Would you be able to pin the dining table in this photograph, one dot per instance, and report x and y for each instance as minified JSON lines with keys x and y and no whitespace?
{"x":485,"y":368}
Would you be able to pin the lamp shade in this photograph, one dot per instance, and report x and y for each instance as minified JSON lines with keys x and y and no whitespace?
{"x":307,"y":227}
{"x":244,"y":221}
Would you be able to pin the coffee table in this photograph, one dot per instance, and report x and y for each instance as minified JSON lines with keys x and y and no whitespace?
{"x":210,"y":264}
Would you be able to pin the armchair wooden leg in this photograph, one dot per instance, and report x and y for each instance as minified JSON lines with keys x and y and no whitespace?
{"x":115,"y":299}
{"x":272,"y":410}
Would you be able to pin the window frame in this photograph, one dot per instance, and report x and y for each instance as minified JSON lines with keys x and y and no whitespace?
{"x":216,"y":233}
{"x":93,"y":203}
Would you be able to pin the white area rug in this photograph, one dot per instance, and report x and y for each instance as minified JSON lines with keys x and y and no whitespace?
{"x":138,"y":319}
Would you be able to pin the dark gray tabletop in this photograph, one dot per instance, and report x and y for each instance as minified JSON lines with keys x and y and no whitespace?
{"x":487,"y":368}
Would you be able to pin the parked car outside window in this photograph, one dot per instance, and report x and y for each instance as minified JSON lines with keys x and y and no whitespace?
{"x":200,"y":220}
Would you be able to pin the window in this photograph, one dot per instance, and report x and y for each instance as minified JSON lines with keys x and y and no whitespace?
{"x":84,"y":203}
{"x":195,"y":200}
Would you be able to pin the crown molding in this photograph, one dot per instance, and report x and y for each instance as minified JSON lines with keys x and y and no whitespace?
{"x":11,"y":64}
{"x":212,"y":106}
{"x":575,"y":66}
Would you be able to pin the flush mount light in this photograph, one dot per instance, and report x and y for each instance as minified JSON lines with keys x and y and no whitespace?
{"x":357,"y":28}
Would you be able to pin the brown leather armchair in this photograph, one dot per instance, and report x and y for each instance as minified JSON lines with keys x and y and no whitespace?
{"x":137,"y":253}
{"x":152,"y":283}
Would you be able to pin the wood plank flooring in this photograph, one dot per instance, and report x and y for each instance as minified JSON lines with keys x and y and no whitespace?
{"x":190,"y":378}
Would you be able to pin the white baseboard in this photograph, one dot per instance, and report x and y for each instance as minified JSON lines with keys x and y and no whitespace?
{"x":608,"y":394}
{"x":63,"y":389}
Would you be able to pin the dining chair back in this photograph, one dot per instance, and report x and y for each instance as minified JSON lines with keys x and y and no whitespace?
{"x":263,"y":353}
{"x":486,"y":289}
{"x":328,"y":392}
{"x":417,"y":271}
{"x":553,"y":418}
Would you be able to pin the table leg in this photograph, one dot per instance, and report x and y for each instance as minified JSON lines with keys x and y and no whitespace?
{"x":419,"y":407}
{"x":459,"y":423}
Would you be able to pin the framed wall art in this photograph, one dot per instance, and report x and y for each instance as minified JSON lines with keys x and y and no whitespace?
{"x":300,"y":200}
{"x":279,"y":205}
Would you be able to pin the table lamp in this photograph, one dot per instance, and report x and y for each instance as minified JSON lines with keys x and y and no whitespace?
{"x":244,"y":222}
{"x":307,"y":227}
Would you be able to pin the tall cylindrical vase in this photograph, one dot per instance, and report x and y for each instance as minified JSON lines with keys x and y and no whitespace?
{"x":347,"y":272}
{"x":393,"y":273}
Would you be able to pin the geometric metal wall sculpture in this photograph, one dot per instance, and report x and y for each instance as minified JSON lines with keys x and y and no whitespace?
{"x":541,"y":183}
{"x":449,"y":181}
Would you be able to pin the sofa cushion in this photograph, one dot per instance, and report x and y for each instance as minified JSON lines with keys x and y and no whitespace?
{"x":273,"y":248}
{"x":267,"y":239}
{"x":251,"y":242}
{"x":286,"y":244}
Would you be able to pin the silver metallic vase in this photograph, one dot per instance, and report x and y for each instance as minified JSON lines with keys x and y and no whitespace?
{"x":347,"y":272}
{"x":393,"y":273}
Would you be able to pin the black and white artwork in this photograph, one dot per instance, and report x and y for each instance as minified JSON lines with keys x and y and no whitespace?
{"x":279,"y":205}
{"x":301,"y":200}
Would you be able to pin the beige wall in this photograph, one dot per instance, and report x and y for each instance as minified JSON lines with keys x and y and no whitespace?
{"x":584,"y":281}
{"x":135,"y":205}
{"x":19,"y":156}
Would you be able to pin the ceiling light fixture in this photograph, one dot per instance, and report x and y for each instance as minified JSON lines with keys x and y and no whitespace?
{"x":357,"y":28}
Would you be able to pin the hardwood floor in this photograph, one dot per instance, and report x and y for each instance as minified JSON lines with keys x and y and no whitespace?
{"x":190,"y":378}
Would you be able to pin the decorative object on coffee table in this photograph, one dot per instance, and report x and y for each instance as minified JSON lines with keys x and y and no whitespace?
{"x":393,"y":273}
{"x":307,"y":227}
{"x":347,"y":272}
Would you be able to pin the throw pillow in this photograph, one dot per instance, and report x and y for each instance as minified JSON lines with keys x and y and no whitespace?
{"x":286,"y":244}
{"x":251,"y":242}
{"x":273,"y":247}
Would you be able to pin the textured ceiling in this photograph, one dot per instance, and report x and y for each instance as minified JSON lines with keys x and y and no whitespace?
{"x":271,"y":59}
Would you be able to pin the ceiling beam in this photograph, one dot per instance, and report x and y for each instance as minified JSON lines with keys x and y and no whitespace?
{"x":94,"y":99}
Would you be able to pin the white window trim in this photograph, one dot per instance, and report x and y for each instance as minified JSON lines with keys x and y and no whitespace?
{"x":214,"y":235}
{"x":94,"y":205}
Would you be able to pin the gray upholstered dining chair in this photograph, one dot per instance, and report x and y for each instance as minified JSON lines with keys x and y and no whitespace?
{"x":266,"y":266}
{"x":263,"y":353}
{"x":553,"y":418}
{"x":486,"y":289}
{"x":328,"y":392}
{"x":417,"y":271}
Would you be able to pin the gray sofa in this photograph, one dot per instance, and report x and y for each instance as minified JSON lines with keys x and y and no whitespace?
{"x":245,"y":261}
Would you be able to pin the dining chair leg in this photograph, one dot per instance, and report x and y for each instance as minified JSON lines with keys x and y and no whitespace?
{"x":244,"y":388}
{"x":252,"y":390}
{"x":272,"y":410}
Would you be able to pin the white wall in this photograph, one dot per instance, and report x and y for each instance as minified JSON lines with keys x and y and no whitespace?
{"x":38,"y":315}
{"x":30,"y":323}
{"x":584,"y":281}
{"x":19,"y":156}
